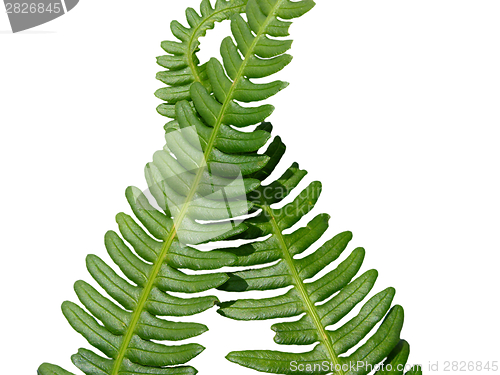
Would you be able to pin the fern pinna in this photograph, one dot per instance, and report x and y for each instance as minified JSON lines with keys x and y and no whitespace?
{"x":207,"y":176}
{"x":199,"y":176}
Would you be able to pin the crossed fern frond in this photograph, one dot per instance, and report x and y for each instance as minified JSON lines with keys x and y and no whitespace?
{"x":323,"y":302}
{"x":204,"y":181}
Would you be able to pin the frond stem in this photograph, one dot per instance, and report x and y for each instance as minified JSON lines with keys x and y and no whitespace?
{"x":180,"y":217}
{"x":194,"y":38}
{"x":136,"y":315}
{"x":299,"y":284}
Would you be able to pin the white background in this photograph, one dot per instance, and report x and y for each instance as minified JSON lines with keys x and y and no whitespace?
{"x":393,"y":105}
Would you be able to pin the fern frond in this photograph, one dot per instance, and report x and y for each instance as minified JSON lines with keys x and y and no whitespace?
{"x":324,"y":302}
{"x":327,"y":300}
{"x":181,"y":62}
{"x":205,"y":180}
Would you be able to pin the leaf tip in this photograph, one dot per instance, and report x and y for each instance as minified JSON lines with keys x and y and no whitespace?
{"x":90,"y":259}
{"x":371,"y":274}
{"x":120,"y":217}
{"x":66,"y":307}
{"x":391,"y":291}
{"x":232,"y":357}
{"x":79,"y":285}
